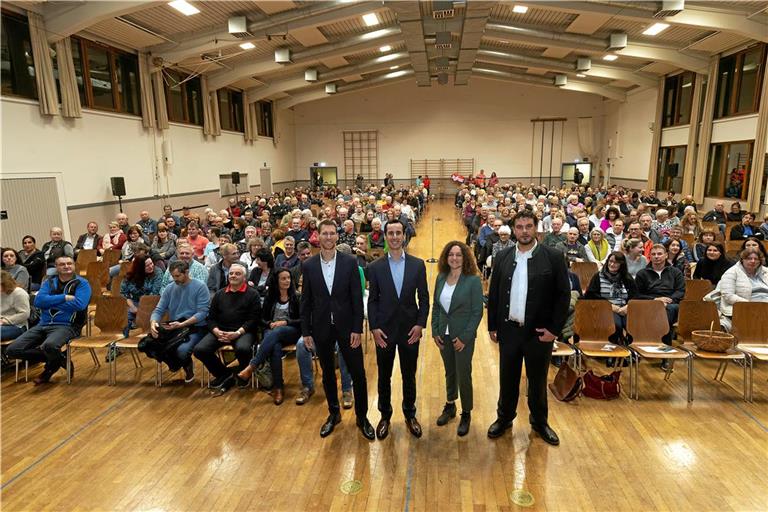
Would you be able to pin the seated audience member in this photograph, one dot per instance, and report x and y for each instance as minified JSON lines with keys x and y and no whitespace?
{"x":615,"y":235}
{"x":33,"y":260}
{"x":296,"y":231}
{"x":366,"y":225}
{"x":248,"y":233}
{"x":197,"y":241}
{"x":262,"y":272}
{"x":611,"y":215}
{"x":90,"y":239}
{"x":288,"y":258}
{"x":746,"y":281}
{"x":186,"y":302}
{"x":736,"y":212}
{"x":168,"y":212}
{"x":122,"y":222}
{"x":713,"y":265}
{"x":676,"y":233}
{"x":571,"y":247}
{"x":213,"y":243}
{"x":173,"y":226}
{"x":114,"y":240}
{"x":347,"y":235}
{"x":219,"y":273}
{"x":163,"y":246}
{"x":14,"y":308}
{"x":505,"y":240}
{"x":583,"y":225}
{"x":663,"y":282}
{"x":54,"y":248}
{"x":705,"y":238}
{"x":233,"y":209}
{"x":677,"y":258}
{"x":11,"y":264}
{"x":140,"y":280}
{"x":148,"y":226}
{"x":646,"y":225}
{"x":304,"y":252}
{"x":313,"y":235}
{"x":664,"y":223}
{"x":614,"y":284}
{"x":376,"y":238}
{"x":690,"y":223}
{"x":281,"y":320}
{"x":248,"y":257}
{"x":197,"y":270}
{"x":214,"y":256}
{"x":597,"y":249}
{"x":717,"y":214}
{"x":238,"y":231}
{"x":633,"y":250}
{"x":754,"y":243}
{"x":764,"y":227}
{"x":63,"y":300}
{"x":233,"y":319}
{"x":360,"y":250}
{"x":555,"y":237}
{"x":746,"y":229}
{"x":278,"y":242}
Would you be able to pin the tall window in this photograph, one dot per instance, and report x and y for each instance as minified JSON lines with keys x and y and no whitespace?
{"x":669,"y":172}
{"x":739,"y":82}
{"x":231,"y":110}
{"x":361,"y":155}
{"x":18,"y":68}
{"x":678,"y":96}
{"x":184,"y":98}
{"x":729,"y":169}
{"x":265,"y":126}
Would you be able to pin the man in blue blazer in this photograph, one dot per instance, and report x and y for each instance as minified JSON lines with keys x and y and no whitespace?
{"x":396,"y":321}
{"x":331,"y":311}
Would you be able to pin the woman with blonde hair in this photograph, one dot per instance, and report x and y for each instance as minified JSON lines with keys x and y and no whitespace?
{"x":690,"y":224}
{"x":597,"y":248}
{"x":14,"y":308}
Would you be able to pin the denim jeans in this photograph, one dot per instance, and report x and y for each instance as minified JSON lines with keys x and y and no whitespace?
{"x":184,"y":351}
{"x":304,"y":358}
{"x":42,"y":344}
{"x":271,"y":349}
{"x":10,"y":332}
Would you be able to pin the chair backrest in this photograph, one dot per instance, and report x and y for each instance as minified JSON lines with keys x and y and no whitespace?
{"x":147,"y":304}
{"x":376,"y":253}
{"x":689,"y":239}
{"x":647,"y":321}
{"x":696,"y":315}
{"x":733,"y":248}
{"x":111,"y":314}
{"x":111,"y":257}
{"x":99,"y":270}
{"x":749,"y":322}
{"x":125,"y":266}
{"x":585,"y":270}
{"x":95,"y":282}
{"x":593,"y":320}
{"x":117,"y":282}
{"x":84,"y":257}
{"x":696,"y":289}
{"x":713,"y":226}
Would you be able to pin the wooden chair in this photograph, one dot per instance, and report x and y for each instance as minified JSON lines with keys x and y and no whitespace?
{"x":710,"y":226}
{"x":647,"y":323}
{"x":585,"y":270}
{"x":111,"y":257}
{"x":376,"y":253}
{"x":699,"y":315}
{"x":696,"y":289}
{"x":751,"y":330}
{"x":733,"y":248}
{"x":84,"y":257}
{"x":111,"y":319}
{"x":147,"y":304}
{"x":728,"y":228}
{"x":689,"y":239}
{"x":98,"y":270}
{"x":593,"y":324}
{"x":17,"y":362}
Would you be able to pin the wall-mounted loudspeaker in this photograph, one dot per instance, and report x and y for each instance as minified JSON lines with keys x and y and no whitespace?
{"x":118,"y":185}
{"x":235,"y":178}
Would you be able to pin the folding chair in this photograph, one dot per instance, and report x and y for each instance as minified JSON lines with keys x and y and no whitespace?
{"x":647,"y":323}
{"x":751,"y":330}
{"x":111,"y":318}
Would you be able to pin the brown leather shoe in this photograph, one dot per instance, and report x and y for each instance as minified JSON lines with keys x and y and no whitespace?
{"x":277,"y":395}
{"x":304,"y":396}
{"x":247,"y":373}
{"x":43,"y":378}
{"x":413,"y":426}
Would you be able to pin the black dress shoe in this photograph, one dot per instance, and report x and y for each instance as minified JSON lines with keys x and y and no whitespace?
{"x":382,"y":429}
{"x":366,"y":428}
{"x":413,"y":426}
{"x":449,"y":412}
{"x":466,"y":419}
{"x":547,"y":434}
{"x":221,"y":381}
{"x":327,"y":428}
{"x":498,"y":428}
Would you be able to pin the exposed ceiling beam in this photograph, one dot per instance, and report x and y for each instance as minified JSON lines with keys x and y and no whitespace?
{"x":62,"y":19}
{"x":378,"y":81}
{"x":698,"y":17}
{"x":297,"y":82}
{"x":475,"y":18}
{"x":544,"y":38}
{"x":354,"y":44}
{"x":572,"y":85}
{"x":409,"y":17}
{"x":499,"y":57}
{"x":313,"y":15}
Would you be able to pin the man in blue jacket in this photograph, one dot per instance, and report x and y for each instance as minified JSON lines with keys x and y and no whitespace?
{"x":63,"y":301}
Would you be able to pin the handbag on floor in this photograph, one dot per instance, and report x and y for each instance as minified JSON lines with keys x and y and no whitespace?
{"x":567,"y":383}
{"x":602,"y":387}
{"x":263,"y":376}
{"x":163,"y":348}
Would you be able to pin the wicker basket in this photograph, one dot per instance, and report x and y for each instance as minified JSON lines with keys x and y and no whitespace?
{"x":713,"y":341}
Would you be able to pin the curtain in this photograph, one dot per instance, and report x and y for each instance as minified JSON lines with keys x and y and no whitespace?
{"x":161,"y":111}
{"x":585,"y":129}
{"x":210,"y":123}
{"x":70,"y":95}
{"x":214,"y":102}
{"x":248,"y":119}
{"x":41,"y":52}
{"x":145,"y":83}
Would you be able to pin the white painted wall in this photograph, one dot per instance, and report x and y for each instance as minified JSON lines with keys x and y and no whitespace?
{"x":734,"y":129}
{"x":488,"y":120}
{"x":677,"y":136}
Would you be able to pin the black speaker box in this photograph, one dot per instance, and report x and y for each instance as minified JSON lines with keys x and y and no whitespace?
{"x":235,"y":178}
{"x":118,"y":186}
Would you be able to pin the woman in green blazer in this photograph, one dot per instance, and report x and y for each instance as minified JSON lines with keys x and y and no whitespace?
{"x":456,"y":314}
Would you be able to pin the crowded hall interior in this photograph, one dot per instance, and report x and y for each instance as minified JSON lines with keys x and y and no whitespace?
{"x":257,"y":253}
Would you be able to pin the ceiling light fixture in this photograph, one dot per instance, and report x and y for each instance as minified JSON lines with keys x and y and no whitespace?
{"x":581,"y":75}
{"x":248,"y":46}
{"x":610,"y":58}
{"x":385,"y":48}
{"x":184,"y":7}
{"x":655,"y":29}
{"x":395,"y":67}
{"x":370,"y":19}
{"x":396,"y":74}
{"x":520,"y":9}
{"x":387,"y":58}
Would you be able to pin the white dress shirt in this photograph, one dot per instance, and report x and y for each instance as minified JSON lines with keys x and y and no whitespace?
{"x":329,"y":271}
{"x":518,"y":293}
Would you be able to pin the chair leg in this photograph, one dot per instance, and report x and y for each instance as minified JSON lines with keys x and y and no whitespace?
{"x":16,"y":379}
{"x":746,"y":397}
{"x":69,"y":364}
{"x":690,"y":377}
{"x":26,"y":372}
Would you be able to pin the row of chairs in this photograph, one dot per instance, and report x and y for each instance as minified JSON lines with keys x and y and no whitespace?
{"x":647,"y":323}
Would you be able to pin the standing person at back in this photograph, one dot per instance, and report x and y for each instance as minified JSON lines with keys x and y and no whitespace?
{"x":528,"y":301}
{"x":396,"y":321}
{"x":332,"y":311}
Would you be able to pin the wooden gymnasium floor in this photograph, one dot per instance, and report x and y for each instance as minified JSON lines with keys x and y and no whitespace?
{"x":89,"y":446}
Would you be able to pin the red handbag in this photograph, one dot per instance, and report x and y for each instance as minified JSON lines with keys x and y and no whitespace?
{"x":602,"y":387}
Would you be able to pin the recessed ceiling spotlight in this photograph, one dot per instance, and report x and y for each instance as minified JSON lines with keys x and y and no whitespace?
{"x":393,"y":67}
{"x":656,"y":28}
{"x":370,"y":19}
{"x":520,"y":9}
{"x":610,"y":58}
{"x":248,"y":46}
{"x":581,"y":75}
{"x":184,"y":7}
{"x":385,"y":48}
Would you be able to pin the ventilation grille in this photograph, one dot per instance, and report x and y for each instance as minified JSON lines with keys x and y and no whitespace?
{"x":442,"y":10}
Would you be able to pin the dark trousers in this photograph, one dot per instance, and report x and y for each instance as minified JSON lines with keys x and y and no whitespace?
{"x":620,"y":321}
{"x":518,"y":345}
{"x":672,"y":311}
{"x":385,"y":359}
{"x":42,"y":344}
{"x":326,"y":349}
{"x":271,"y":349}
{"x":206,"y":349}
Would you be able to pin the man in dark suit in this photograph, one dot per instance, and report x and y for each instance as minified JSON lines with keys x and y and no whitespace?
{"x":396,"y":322}
{"x":90,"y":239}
{"x":332,"y":311}
{"x":528,"y":303}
